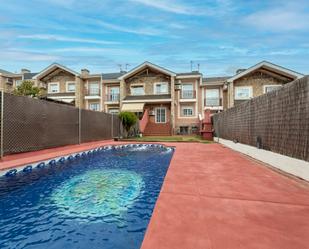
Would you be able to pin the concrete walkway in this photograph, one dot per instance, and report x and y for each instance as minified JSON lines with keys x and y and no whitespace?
{"x":213,"y":197}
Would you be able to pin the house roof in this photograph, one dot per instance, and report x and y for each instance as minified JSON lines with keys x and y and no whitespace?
{"x":189,"y":73}
{"x":28,"y":76}
{"x":215,"y":80}
{"x":270,"y":66}
{"x":51,"y":68}
{"x":145,"y":65}
{"x":112,"y":76}
{"x":5,"y":72}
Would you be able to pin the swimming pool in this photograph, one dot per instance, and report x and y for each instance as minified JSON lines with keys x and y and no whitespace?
{"x":101,"y":199}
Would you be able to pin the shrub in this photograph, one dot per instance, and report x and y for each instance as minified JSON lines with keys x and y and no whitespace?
{"x":27,"y":88}
{"x":128,"y":119}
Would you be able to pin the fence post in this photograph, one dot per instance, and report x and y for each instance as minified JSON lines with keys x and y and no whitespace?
{"x":79,"y":125}
{"x":1,"y":138}
{"x":112,"y":125}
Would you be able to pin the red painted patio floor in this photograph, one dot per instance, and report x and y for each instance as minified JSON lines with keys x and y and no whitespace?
{"x":213,"y":197}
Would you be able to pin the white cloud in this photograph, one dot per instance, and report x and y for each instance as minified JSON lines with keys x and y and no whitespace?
{"x":138,"y":31}
{"x":169,"y":6}
{"x":65,"y":39}
{"x":95,"y":50}
{"x":15,"y":55}
{"x":278,"y":20}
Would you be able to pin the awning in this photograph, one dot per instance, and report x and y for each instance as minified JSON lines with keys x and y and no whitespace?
{"x":133,"y":107}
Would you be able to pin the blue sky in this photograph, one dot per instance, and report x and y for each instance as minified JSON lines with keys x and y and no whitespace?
{"x":220,"y":35}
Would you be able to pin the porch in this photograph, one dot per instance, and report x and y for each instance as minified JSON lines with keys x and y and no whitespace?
{"x":154,"y":118}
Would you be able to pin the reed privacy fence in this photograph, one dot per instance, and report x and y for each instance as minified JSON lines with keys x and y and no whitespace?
{"x":30,"y":124}
{"x":277,"y":121}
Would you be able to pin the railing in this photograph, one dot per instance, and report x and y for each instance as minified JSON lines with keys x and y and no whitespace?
{"x":92,"y":92}
{"x":144,"y":121}
{"x":188,"y":94}
{"x":112,"y":97}
{"x":213,"y":102}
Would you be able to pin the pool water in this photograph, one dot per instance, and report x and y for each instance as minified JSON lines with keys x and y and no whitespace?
{"x":103,"y":200}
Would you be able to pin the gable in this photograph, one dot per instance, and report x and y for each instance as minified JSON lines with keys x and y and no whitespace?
{"x":262,"y":75}
{"x":269,"y":68}
{"x":53,"y":70}
{"x":147,"y":67}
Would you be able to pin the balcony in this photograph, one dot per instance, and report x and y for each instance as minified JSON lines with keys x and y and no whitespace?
{"x":188,"y":94}
{"x":92,"y":93}
{"x":112,"y":97}
{"x":213,"y":102}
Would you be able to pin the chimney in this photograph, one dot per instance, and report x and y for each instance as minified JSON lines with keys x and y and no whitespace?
{"x":85,"y":72}
{"x":24,"y":70}
{"x":240,"y":70}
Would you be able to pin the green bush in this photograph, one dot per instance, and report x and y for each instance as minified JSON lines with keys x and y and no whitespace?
{"x":128,"y":119}
{"x":27,"y":88}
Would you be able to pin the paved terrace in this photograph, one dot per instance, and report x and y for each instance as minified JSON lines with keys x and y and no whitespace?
{"x":213,"y":197}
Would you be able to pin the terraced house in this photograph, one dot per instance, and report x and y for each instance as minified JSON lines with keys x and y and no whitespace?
{"x":166,"y":102}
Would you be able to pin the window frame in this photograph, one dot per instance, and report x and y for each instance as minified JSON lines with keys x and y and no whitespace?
{"x":94,"y":103}
{"x":165,"y":115}
{"x":109,"y":111}
{"x":183,"y":90}
{"x":67,"y":86}
{"x":94,"y":83}
{"x":160,"y":83}
{"x":187,"y":108}
{"x":265,"y":86}
{"x":137,"y":86}
{"x":243,"y":87}
{"x":53,"y":83}
{"x":212,"y":90}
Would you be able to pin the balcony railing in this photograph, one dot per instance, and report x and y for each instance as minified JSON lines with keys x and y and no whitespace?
{"x":112,"y":97}
{"x":93,"y":92}
{"x":212,"y":102}
{"x":187,"y":94}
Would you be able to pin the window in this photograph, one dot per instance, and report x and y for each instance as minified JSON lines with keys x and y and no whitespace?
{"x":270,"y":88}
{"x":113,"y":94}
{"x":18,"y":83}
{"x":53,"y":87}
{"x":94,"y":88}
{"x":184,"y":130}
{"x":187,"y":91}
{"x":137,"y":90}
{"x":113,"y":110}
{"x":70,"y":86}
{"x":212,"y":97}
{"x":160,"y":88}
{"x":187,"y":111}
{"x":160,"y":115}
{"x":243,"y":92}
{"x":94,"y":106}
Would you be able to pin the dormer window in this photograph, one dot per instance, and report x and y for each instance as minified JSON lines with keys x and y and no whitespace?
{"x":137,"y":90}
{"x":160,"y":88}
{"x":53,"y":87}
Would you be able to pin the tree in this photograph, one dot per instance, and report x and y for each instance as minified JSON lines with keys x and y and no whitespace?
{"x":128,"y":120}
{"x":27,"y":88}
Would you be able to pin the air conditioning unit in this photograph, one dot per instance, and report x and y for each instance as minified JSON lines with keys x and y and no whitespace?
{"x":151,"y":113}
{"x":177,"y":87}
{"x":9,"y":81}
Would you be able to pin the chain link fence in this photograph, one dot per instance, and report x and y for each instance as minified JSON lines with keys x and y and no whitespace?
{"x":29,"y":124}
{"x":277,"y":121}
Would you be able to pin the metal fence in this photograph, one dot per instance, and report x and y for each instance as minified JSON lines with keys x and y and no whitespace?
{"x":277,"y":121}
{"x":29,"y":124}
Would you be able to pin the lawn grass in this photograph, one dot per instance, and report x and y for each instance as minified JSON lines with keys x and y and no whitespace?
{"x":169,"y":139}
